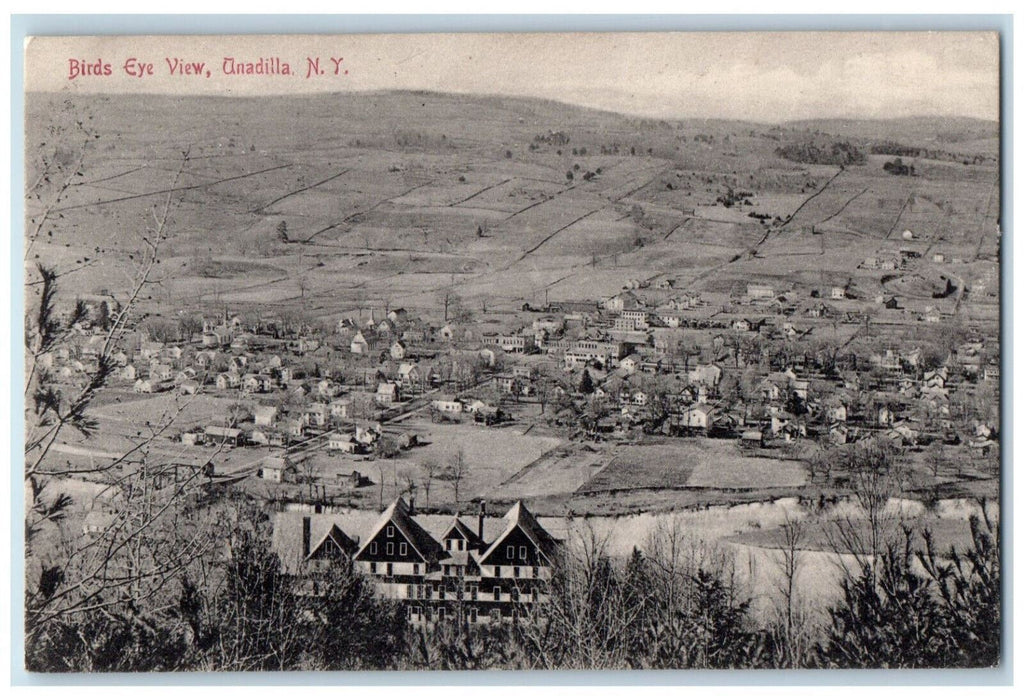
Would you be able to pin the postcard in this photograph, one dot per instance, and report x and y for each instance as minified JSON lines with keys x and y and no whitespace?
{"x":669,"y":350}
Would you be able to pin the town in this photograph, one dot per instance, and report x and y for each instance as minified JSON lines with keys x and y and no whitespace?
{"x":461,"y":381}
{"x":316,"y":419}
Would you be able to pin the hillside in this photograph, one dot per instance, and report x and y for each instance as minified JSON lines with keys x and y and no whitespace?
{"x":399,"y":196}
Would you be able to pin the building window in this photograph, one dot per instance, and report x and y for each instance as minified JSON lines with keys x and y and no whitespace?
{"x":473,"y":592}
{"x":522,"y":553}
{"x":460,"y":543}
{"x":373,"y":548}
{"x":391,"y":568}
{"x":415,"y":569}
{"x":403,"y":549}
{"x":441,"y":614}
{"x":497,"y":592}
{"x":472,"y":615}
{"x":373,"y":567}
{"x":411,"y":591}
{"x":391,"y":548}
{"x":448,"y":545}
{"x":510,"y":552}
{"x":416,"y":611}
{"x":515,"y":572}
{"x":497,"y":572}
{"x":391,"y":530}
{"x":536,"y":572}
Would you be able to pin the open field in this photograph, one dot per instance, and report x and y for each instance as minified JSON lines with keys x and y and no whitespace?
{"x":492,"y":455}
{"x":462,"y":196}
{"x":706,"y":464}
{"x":199,"y":409}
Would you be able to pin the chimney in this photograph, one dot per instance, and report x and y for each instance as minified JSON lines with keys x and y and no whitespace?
{"x":305,"y":536}
{"x":412,"y":503}
{"x":480,"y":519}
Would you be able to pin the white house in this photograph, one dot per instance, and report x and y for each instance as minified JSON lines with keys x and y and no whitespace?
{"x":387,"y":393}
{"x":359,"y":346}
{"x":699,"y":417}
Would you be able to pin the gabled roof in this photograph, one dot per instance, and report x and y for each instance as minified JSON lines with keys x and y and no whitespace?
{"x":336,"y":537}
{"x":398,"y":515}
{"x":520,"y":517}
{"x":465,"y":531}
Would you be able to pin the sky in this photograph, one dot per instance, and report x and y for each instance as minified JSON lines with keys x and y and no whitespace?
{"x":757,"y":76}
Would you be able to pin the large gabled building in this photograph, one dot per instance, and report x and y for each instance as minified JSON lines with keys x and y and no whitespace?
{"x":488,"y":573}
{"x":398,"y":551}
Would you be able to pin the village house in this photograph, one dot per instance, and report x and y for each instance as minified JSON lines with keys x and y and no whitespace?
{"x":625,"y":301}
{"x":446,"y":333}
{"x":276,"y":468}
{"x":256,"y":383}
{"x":630,"y":363}
{"x":317,"y":414}
{"x":398,"y":316}
{"x":408,"y":375}
{"x":507,"y":383}
{"x":835,"y":413}
{"x":344,"y":442}
{"x":228,"y":380}
{"x":448,"y":406}
{"x":161,"y":372}
{"x":359,"y":345}
{"x":264,"y":415}
{"x":152,"y":386}
{"x":150,"y":349}
{"x":193,"y":437}
{"x":341,"y":408}
{"x":326,"y":389}
{"x":387,"y":394}
{"x":700,"y":417}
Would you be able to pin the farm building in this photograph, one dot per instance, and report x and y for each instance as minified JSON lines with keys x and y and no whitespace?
{"x":225,"y":436}
{"x":760,"y":291}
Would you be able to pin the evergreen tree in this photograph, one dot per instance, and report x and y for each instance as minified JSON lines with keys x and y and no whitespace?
{"x":586,"y":383}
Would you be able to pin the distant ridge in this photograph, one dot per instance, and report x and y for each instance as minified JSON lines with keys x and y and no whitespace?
{"x":947,"y":129}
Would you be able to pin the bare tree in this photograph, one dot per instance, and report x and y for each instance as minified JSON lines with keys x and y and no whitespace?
{"x":431,"y":470}
{"x":140,"y":544}
{"x":455,"y":472}
{"x":792,"y":639}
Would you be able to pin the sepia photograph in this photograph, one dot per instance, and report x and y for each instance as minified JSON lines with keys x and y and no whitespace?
{"x":516,"y":351}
